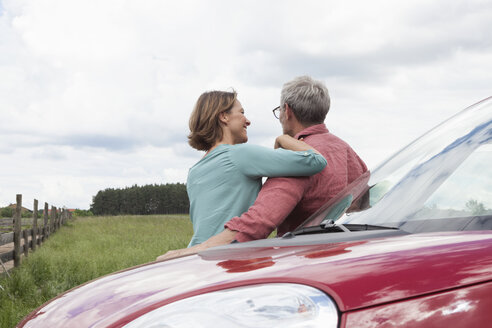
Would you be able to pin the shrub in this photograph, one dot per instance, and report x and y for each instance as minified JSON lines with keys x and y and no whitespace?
{"x":26,"y":215}
{"x":78,"y":212}
{"x":6,"y":212}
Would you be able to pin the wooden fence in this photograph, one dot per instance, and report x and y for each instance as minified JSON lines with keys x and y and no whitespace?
{"x":26,"y":239}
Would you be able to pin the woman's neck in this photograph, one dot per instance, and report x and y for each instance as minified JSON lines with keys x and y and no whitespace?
{"x":226,"y":139}
{"x":223,"y":141}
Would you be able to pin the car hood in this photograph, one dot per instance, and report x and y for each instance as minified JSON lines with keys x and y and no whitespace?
{"x":356,"y":274}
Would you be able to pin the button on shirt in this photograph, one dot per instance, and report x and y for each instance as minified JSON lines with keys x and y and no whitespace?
{"x":285,"y":202}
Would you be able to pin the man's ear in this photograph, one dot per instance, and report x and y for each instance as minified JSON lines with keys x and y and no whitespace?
{"x":288,"y":112}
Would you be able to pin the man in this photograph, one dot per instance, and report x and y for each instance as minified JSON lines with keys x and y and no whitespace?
{"x":284,"y":203}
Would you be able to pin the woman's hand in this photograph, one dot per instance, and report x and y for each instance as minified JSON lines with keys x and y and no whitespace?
{"x":178,"y":253}
{"x":287,"y":142}
{"x":223,"y":238}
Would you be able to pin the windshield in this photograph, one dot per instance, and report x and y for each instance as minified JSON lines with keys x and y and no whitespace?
{"x":444,"y":174}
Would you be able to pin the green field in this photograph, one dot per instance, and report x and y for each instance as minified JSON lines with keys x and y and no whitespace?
{"x":84,"y":249}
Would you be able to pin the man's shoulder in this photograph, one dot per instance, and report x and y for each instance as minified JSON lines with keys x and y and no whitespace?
{"x":320,"y":132}
{"x":326,"y":139}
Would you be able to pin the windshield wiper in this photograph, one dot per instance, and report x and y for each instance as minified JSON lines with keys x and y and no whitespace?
{"x":331,"y":226}
{"x":362,"y":227}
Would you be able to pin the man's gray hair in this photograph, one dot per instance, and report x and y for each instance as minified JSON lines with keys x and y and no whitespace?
{"x":308,"y":99}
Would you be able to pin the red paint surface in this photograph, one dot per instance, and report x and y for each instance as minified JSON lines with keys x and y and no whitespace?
{"x":465,"y":307}
{"x":357,"y":275}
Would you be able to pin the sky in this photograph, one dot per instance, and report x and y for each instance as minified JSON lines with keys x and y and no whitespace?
{"x":97,"y":94}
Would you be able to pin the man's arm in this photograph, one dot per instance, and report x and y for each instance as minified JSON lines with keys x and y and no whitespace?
{"x":277,"y":198}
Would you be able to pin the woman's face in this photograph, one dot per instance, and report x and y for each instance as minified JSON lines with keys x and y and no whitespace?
{"x":238,"y":123}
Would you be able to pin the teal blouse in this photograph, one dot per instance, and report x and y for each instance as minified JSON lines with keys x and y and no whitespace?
{"x":225,"y":183}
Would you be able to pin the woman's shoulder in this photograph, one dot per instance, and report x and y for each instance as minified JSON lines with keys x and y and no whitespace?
{"x":217,"y":155}
{"x":246,"y":153}
{"x":214,"y":153}
{"x":246,"y":147}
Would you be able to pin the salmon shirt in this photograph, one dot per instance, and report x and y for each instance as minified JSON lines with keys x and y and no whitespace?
{"x":284,"y":203}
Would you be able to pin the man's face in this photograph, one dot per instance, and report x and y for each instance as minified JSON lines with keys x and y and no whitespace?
{"x":286,"y":128}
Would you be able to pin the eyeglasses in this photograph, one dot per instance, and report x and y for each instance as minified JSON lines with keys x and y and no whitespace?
{"x":276,"y":112}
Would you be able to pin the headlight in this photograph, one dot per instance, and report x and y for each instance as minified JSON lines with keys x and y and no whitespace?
{"x":268,"y":305}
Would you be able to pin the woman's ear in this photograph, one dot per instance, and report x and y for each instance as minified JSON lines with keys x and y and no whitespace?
{"x":223,"y":118}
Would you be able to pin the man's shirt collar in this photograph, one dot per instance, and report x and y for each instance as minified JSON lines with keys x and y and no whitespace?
{"x":313,"y":129}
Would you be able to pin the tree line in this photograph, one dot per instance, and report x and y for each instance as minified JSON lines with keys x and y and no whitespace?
{"x":169,"y":198}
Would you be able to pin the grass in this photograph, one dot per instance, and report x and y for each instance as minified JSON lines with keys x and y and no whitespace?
{"x":84,"y":249}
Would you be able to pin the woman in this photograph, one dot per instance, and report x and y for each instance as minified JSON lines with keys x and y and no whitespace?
{"x":226,"y":181}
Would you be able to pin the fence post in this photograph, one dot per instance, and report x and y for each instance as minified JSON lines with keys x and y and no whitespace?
{"x":34,"y":234}
{"x":46,"y":229}
{"x":52,"y":219}
{"x":17,"y":231}
{"x":25,"y":235}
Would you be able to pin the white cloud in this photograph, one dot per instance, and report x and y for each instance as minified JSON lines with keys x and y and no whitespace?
{"x":97,"y":94}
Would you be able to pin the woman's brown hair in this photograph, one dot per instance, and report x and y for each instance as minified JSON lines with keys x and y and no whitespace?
{"x":204,"y":123}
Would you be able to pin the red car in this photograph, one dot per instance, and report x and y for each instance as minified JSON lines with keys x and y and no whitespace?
{"x":410,"y":245}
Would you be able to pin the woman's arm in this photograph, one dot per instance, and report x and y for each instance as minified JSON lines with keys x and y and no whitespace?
{"x":257,"y":161}
{"x":223,"y":238}
{"x":287,"y":142}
